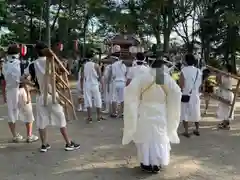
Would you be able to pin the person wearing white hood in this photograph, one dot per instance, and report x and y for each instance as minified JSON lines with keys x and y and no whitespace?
{"x":151,"y":116}
{"x":52,"y":114}
{"x":19,"y":106}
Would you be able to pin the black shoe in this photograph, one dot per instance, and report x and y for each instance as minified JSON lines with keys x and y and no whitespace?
{"x":146,"y":168}
{"x":196,"y":133}
{"x":71,"y":147}
{"x":45,"y":148}
{"x":155,"y":169}
{"x":187,"y":135}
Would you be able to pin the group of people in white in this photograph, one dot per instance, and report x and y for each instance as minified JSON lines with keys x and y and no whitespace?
{"x":19,"y":99}
{"x":151,"y":103}
{"x":145,"y":95}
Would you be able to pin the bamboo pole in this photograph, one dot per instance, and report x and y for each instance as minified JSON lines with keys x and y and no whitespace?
{"x":46,"y":88}
{"x":53,"y":79}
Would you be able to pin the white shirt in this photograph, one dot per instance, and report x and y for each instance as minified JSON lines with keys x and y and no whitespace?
{"x":90,"y":74}
{"x":189,"y":73}
{"x":12,"y":72}
{"x":119,"y":71}
{"x":138,"y":69}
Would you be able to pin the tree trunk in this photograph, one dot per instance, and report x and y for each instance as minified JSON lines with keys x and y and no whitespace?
{"x":168,"y":24}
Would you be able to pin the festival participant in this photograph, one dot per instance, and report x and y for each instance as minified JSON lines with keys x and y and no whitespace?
{"x":138,"y":68}
{"x":119,"y":72}
{"x":80,"y":90}
{"x":90,"y":76}
{"x":19,"y":105}
{"x":151,"y":116}
{"x":190,"y":82}
{"x":110,"y":96}
{"x":51,"y":114}
{"x":225,"y":92}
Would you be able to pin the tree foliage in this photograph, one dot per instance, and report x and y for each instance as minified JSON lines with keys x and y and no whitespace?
{"x":214,"y":24}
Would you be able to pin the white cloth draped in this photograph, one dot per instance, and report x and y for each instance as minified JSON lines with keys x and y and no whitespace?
{"x":151,"y":116}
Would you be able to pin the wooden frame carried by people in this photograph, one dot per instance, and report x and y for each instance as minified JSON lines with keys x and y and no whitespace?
{"x":218,"y":86}
{"x":57,"y":74}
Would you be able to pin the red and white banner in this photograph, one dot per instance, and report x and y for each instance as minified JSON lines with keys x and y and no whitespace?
{"x":23,"y":50}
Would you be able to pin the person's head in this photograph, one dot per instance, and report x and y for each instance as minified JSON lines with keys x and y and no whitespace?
{"x":39,"y":48}
{"x":140,"y":58}
{"x":190,"y":60}
{"x":13,"y":49}
{"x":89,"y":54}
{"x":228,"y":68}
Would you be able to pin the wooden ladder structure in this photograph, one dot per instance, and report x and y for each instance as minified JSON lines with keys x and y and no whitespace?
{"x":234,"y":91}
{"x":56,"y":75}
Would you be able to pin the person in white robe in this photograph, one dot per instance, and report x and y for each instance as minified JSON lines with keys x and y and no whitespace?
{"x":223,"y":110}
{"x":51,"y":114}
{"x":190,"y":82}
{"x":119,"y":72}
{"x":19,"y":108}
{"x":139,"y":68}
{"x":91,"y":76}
{"x":152,"y":116}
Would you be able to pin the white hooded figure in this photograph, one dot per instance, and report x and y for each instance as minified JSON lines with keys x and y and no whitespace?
{"x":151,"y":118}
{"x":19,"y":107}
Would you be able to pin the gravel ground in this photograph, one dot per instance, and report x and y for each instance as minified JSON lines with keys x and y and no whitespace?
{"x":212,"y":156}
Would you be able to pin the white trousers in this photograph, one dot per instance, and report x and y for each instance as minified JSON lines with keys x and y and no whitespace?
{"x":52,"y":114}
{"x":12,"y":103}
{"x":118,"y":91}
{"x":92,"y":92}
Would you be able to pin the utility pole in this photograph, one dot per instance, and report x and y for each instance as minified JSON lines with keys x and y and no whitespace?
{"x":48,"y":28}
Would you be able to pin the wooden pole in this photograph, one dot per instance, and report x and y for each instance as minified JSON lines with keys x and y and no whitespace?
{"x":46,"y":77}
{"x":53,"y":78}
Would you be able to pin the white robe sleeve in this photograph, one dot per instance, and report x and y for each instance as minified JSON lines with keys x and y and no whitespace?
{"x":173,"y":108}
{"x":131,"y":105}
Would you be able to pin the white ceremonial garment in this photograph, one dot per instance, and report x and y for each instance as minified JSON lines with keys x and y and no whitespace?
{"x":91,"y":86}
{"x":119,"y":71}
{"x":223,"y":110}
{"x":136,"y":70}
{"x":191,"y":111}
{"x":25,"y":109}
{"x":52,"y":114}
{"x":151,"y":117}
{"x":12,"y":74}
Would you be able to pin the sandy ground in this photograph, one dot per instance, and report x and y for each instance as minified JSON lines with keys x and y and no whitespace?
{"x":212,"y":156}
